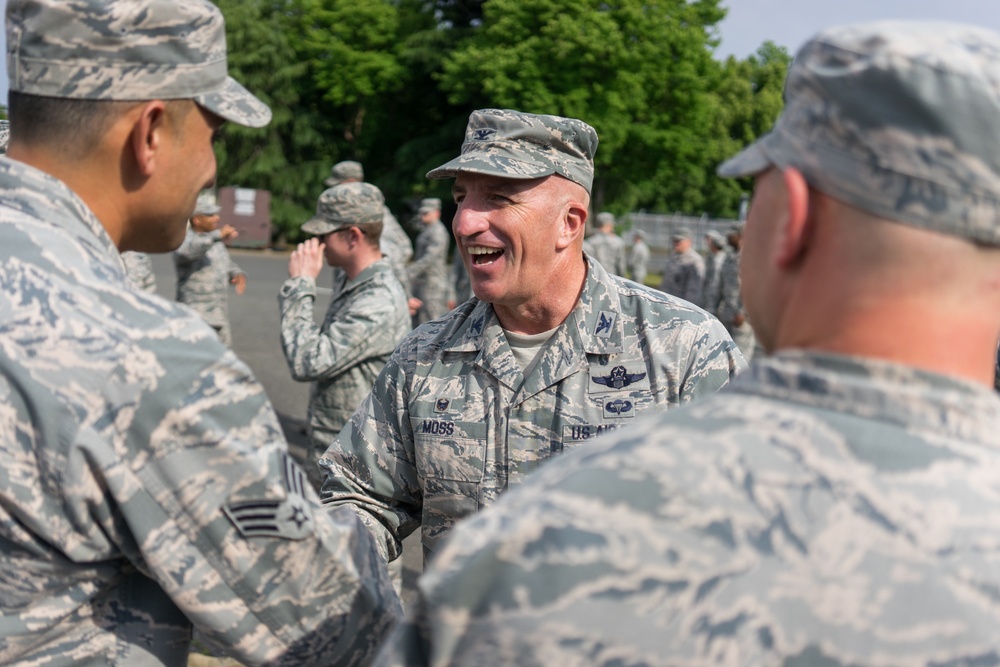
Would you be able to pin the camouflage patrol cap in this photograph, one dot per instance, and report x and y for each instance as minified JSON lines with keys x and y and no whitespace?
{"x":348,"y":170}
{"x":715,"y":237}
{"x":346,"y":205}
{"x":513,"y":144}
{"x":206,"y":204}
{"x":4,"y":136}
{"x":900,"y":119}
{"x":681,"y":234}
{"x":126,"y":50}
{"x":605,"y":218}
{"x":430,"y":204}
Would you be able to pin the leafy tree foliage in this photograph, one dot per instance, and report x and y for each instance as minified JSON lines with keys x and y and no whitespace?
{"x":391,"y":84}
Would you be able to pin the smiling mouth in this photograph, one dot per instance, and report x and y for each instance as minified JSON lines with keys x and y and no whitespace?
{"x":481,"y":256}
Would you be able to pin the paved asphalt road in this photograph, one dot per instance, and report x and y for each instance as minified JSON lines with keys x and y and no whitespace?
{"x":256,"y":339}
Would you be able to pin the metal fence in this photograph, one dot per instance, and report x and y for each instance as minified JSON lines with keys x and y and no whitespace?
{"x":658,"y":228}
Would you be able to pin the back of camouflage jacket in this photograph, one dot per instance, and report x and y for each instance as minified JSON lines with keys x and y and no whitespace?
{"x":451,"y":422}
{"x":822,"y":511}
{"x":145,"y":485}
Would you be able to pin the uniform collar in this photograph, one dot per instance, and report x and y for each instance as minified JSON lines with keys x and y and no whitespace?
{"x":49,"y":200}
{"x":369,"y":272}
{"x":593,"y":327}
{"x":595,"y":322}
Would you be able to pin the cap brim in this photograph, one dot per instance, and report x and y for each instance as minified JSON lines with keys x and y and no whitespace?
{"x":318,"y":226}
{"x":491,"y":165}
{"x":330,"y":182}
{"x":215,"y":210}
{"x":750,"y":161}
{"x":236,"y":104}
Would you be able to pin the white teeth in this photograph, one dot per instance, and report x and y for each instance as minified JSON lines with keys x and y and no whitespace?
{"x":479,"y":250}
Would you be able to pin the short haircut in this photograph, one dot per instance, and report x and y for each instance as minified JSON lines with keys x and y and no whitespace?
{"x":372,"y":232}
{"x":76,"y":127}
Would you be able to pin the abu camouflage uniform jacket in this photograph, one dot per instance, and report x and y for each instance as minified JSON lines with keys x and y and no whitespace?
{"x":684,"y":276}
{"x":711,"y":292}
{"x":139,"y":269}
{"x":823,"y":510}
{"x":638,"y":261}
{"x":135,"y":453}
{"x":365,"y":322}
{"x":396,"y":247}
{"x":429,"y":271}
{"x":451,"y":421}
{"x":204,"y":269}
{"x":609,"y":251}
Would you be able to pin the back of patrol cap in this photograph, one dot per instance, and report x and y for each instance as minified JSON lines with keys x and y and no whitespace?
{"x":206,"y":204}
{"x":429,"y":204}
{"x":718,"y":239}
{"x":346,"y":205}
{"x":126,"y":50}
{"x":513,"y":144}
{"x":348,"y":170}
{"x":900,"y":119}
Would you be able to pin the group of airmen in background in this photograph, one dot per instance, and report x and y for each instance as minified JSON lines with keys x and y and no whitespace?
{"x":597,"y":475}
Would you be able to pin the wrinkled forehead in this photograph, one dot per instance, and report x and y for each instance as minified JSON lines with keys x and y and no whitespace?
{"x":468,"y":181}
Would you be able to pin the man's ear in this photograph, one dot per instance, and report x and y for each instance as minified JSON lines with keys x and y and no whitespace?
{"x":149,"y":128}
{"x":574,"y":221}
{"x":795,"y":232}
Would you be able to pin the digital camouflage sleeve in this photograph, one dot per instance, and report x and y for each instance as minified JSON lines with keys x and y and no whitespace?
{"x":145,"y":484}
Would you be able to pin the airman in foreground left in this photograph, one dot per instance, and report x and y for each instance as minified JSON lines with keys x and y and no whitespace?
{"x":146,"y":486}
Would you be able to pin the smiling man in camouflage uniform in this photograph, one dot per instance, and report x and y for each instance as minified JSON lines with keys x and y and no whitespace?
{"x":146,"y":486}
{"x":553,"y":352}
{"x":838,"y":504}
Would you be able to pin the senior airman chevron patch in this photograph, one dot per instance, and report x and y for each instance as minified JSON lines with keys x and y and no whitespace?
{"x":290,"y":517}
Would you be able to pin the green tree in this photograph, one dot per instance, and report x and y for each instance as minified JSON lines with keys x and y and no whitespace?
{"x":288,"y":157}
{"x":637,"y":70}
{"x":320,"y":65}
{"x":748,"y":99}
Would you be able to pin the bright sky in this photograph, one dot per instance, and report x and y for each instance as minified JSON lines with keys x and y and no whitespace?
{"x":789,"y":23}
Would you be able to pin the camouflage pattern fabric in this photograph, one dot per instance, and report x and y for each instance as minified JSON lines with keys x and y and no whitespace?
{"x":137,"y":50}
{"x":711,"y":294}
{"x":139,"y":269}
{"x":460,"y":279}
{"x":684,"y":276}
{"x":365,"y":322}
{"x":204,"y":269}
{"x":452,"y":422}
{"x":638,"y":261}
{"x":518,"y":145}
{"x":609,"y":251}
{"x":731,"y":305}
{"x":429,"y":272}
{"x":935,"y":164}
{"x":821,"y":511}
{"x":145,"y":485}
{"x":396,"y":247}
